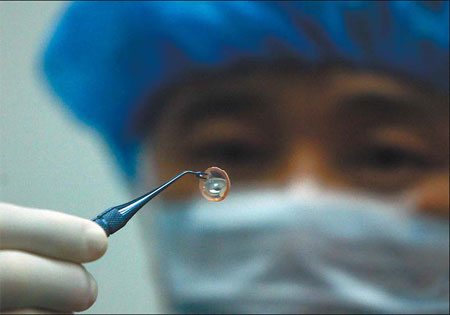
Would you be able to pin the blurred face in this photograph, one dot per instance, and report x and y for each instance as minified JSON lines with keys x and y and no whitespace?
{"x":350,"y":130}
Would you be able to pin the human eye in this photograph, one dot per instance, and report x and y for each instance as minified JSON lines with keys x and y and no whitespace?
{"x":388,"y":158}
{"x":234,"y":142}
{"x":386,"y":166}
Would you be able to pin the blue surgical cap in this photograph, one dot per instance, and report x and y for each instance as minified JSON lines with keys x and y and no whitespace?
{"x":103,"y":56}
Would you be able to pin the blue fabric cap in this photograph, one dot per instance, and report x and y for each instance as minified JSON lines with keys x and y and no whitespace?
{"x":104,"y":55}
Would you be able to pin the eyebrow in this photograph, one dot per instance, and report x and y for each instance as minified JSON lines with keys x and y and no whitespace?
{"x":219,"y":104}
{"x":384,"y":105}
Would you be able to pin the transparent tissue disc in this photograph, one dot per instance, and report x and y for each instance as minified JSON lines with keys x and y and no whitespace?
{"x":216,"y":186}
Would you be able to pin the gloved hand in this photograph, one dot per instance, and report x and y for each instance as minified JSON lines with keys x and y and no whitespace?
{"x":41,"y":252}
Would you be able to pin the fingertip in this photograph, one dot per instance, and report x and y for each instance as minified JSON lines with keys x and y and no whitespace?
{"x":94,"y":291}
{"x":89,"y":295}
{"x":97,"y":242}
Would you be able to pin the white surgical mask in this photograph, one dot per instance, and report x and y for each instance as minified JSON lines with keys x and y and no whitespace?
{"x":268,"y":251}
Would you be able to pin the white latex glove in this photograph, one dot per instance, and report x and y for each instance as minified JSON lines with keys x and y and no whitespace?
{"x":41,"y":252}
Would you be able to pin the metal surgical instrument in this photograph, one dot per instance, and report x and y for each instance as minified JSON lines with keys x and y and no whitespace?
{"x":114,"y":218}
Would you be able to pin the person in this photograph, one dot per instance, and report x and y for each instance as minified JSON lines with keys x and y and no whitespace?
{"x":331,"y":119}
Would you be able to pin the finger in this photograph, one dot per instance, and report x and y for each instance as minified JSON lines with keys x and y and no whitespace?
{"x":51,"y":233}
{"x":32,"y":281}
{"x":32,"y":311}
